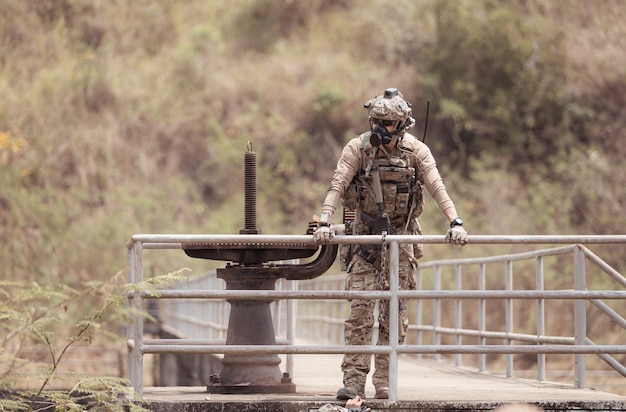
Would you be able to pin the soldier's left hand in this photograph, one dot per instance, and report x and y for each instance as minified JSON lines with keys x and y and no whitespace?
{"x":457,"y":235}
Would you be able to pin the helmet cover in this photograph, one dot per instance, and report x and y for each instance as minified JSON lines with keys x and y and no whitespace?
{"x":391,"y":106}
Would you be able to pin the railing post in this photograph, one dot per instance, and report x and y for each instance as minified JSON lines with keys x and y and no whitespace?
{"x":419,"y":312}
{"x":135,"y":327}
{"x":482,"y":321}
{"x":130,"y":329}
{"x":276,"y":310}
{"x":580,"y":316}
{"x":292,"y":310}
{"x":508,"y":314}
{"x":394,"y":319}
{"x":458,"y":317}
{"x":541,"y":316}
{"x":437,"y":311}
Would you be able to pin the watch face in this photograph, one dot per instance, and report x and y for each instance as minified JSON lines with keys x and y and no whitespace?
{"x":456,"y":222}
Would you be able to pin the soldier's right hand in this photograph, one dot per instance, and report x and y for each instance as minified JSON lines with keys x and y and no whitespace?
{"x":323,"y":234}
{"x":457,"y":235}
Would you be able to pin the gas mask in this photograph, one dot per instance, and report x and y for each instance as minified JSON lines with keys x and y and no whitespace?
{"x":380,"y":135}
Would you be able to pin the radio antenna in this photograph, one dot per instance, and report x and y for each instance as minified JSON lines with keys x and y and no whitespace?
{"x":426,"y":122}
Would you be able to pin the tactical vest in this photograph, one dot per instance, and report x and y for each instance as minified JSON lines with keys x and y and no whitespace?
{"x":402,"y":188}
{"x":403,"y":200}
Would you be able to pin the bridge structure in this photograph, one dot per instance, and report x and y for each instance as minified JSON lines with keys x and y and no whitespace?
{"x":476,"y":325}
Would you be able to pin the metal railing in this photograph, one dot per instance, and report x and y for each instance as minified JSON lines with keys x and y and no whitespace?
{"x":540,"y":337}
{"x":579,"y":345}
{"x":194,"y":318}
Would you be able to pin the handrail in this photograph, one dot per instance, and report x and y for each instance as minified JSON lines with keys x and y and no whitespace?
{"x":404,"y":294}
{"x":176,"y":240}
{"x":545,"y":345}
{"x":424,"y":349}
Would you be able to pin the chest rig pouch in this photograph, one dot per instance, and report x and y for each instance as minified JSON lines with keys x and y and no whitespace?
{"x":396,"y":182}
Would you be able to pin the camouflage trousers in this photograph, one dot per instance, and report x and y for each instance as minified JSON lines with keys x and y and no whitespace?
{"x":363,"y":276}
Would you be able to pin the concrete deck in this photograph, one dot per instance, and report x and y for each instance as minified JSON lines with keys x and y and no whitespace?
{"x":424,"y":385}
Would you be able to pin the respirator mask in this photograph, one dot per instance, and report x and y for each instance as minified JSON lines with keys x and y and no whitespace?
{"x":381,"y":135}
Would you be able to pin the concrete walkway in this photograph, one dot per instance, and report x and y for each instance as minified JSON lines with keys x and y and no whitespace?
{"x":424,"y":385}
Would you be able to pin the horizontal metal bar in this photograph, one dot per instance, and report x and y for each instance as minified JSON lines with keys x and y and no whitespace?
{"x":522,"y":337}
{"x":404,"y":349}
{"x":162,"y":245}
{"x":261,"y":294}
{"x":265,"y":349}
{"x":183,"y":342}
{"x":159,"y":240}
{"x":170,"y":316}
{"x":321,"y":319}
{"x":558,"y":340}
{"x":563,"y":250}
{"x":512,"y":349}
{"x":403,"y":294}
{"x":512,"y":294}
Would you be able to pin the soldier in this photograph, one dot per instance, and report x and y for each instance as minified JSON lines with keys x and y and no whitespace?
{"x":379,"y":179}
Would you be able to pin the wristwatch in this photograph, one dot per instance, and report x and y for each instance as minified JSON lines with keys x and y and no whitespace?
{"x":457,"y":221}
{"x":324,"y":219}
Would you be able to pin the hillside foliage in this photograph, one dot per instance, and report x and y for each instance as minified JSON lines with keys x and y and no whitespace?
{"x":132,"y":117}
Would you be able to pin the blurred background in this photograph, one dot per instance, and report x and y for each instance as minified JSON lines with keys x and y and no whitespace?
{"x":125,"y":117}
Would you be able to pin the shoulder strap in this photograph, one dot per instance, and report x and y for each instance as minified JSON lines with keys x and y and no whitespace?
{"x":369,"y":150}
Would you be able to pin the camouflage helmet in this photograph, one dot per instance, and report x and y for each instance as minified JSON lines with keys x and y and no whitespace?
{"x":391,"y":106}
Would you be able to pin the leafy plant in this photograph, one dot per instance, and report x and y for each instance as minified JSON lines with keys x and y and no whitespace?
{"x":53,"y":317}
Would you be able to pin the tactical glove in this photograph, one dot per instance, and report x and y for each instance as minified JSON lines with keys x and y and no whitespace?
{"x":323,"y":234}
{"x":457,"y":235}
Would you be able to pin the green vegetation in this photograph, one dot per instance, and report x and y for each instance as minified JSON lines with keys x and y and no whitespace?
{"x":124,"y":117}
{"x":37,"y":316}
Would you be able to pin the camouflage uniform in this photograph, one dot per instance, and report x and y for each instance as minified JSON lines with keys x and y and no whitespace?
{"x":403,"y":172}
{"x":364,"y":276}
